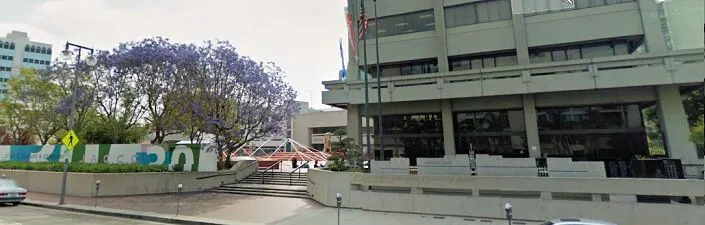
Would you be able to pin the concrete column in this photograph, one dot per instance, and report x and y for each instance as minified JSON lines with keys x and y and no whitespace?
{"x":448,"y":128}
{"x":674,"y":124}
{"x":441,"y":46}
{"x":532,"y":127}
{"x":353,"y":127}
{"x":520,"y":41}
{"x":655,"y":40}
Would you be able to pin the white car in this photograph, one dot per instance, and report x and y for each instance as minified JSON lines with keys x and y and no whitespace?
{"x":572,"y":221}
{"x":10,"y":192}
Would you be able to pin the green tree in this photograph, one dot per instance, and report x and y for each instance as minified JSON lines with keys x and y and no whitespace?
{"x":696,"y":135}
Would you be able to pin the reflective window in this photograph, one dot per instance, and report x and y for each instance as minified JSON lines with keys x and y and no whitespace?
{"x":482,"y":61}
{"x":402,"y":24}
{"x":404,"y":69}
{"x":592,"y":132}
{"x":493,"y":132}
{"x":412,"y":136}
{"x":549,"y":6}
{"x":478,"y":12}
{"x":582,"y":51}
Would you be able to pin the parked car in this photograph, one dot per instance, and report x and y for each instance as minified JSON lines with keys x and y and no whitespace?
{"x":11,"y":193}
{"x":572,"y":221}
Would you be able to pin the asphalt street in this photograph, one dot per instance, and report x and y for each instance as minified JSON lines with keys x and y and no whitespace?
{"x":27,"y":215}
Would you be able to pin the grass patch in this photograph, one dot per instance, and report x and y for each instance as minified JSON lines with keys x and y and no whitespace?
{"x":84,"y":167}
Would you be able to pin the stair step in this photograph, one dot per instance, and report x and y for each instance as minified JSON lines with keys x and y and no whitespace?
{"x":287,"y":180}
{"x":281,"y":191}
{"x":275,"y":183}
{"x":265,"y":187}
{"x":272,"y":181}
{"x":262,"y":194}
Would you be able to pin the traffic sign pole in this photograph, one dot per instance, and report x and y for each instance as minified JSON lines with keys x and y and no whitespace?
{"x":70,"y":140}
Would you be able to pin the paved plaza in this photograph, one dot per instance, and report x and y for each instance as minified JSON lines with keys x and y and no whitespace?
{"x":263,"y":210}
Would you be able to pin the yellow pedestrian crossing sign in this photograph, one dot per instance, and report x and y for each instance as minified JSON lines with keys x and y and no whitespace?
{"x":70,"y":140}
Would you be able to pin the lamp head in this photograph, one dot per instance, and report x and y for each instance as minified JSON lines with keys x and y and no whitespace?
{"x":180,"y":186}
{"x":508,"y":207}
{"x":91,"y":61}
{"x":66,"y":55}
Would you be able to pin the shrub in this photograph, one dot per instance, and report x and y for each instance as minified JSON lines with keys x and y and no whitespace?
{"x":84,"y":167}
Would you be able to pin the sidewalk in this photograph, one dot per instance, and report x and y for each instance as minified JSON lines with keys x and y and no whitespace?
{"x":215,"y":208}
{"x":155,"y":217}
{"x":244,"y":208}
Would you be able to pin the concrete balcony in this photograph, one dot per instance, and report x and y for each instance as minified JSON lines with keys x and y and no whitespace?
{"x":676,"y":67}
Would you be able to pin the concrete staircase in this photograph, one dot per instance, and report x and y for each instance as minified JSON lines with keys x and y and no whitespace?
{"x":276,"y":184}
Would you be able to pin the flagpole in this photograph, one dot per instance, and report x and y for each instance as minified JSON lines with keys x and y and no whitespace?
{"x":370,"y":152}
{"x":379,"y":88}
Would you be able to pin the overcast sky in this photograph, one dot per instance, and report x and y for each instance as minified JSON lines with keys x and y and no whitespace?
{"x":300,"y":36}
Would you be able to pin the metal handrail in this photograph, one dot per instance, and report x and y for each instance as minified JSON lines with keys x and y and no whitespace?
{"x":297,"y":169}
{"x":268,"y":168}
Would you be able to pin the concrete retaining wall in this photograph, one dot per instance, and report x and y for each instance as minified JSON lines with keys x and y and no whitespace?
{"x":610,"y":199}
{"x":120,"y":184}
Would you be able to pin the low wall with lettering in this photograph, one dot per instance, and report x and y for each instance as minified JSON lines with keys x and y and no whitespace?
{"x":611,"y":199}
{"x":121,"y":184}
{"x":194,"y":157}
{"x":492,"y":165}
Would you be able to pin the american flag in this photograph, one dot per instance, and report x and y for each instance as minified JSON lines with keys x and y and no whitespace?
{"x":362,"y":28}
{"x":569,"y":2}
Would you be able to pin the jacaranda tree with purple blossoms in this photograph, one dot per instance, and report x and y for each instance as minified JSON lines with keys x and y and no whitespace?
{"x":239,"y":99}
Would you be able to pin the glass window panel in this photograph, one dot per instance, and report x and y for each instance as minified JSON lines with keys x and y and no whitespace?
{"x":509,"y":60}
{"x":488,"y":62}
{"x":413,"y":23}
{"x":558,"y":55}
{"x":594,"y":3}
{"x":453,"y":16}
{"x":461,"y":64}
{"x":539,"y":57}
{"x":482,"y":12}
{"x":471,"y":14}
{"x":406,"y":70}
{"x":621,"y":49}
{"x":476,"y":63}
{"x":613,"y":1}
{"x":505,"y":9}
{"x":371,"y":26}
{"x":464,"y":122}
{"x":433,"y":68}
{"x":597,"y":51}
{"x":425,"y":21}
{"x":391,"y":71}
{"x":417,"y":69}
{"x":572,"y":54}
{"x":493,"y":10}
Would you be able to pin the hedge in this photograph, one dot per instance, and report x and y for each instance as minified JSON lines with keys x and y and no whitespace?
{"x":84,"y":167}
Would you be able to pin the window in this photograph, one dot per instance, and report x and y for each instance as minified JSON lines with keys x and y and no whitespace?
{"x":582,"y":51}
{"x":5,"y":45}
{"x":26,"y":48}
{"x":12,"y":45}
{"x":482,"y":61}
{"x":49,"y":51}
{"x":3,"y":57}
{"x":32,"y":49}
{"x":478,"y":12}
{"x":402,"y":24}
{"x":10,"y":58}
{"x":412,"y":136}
{"x":408,"y":68}
{"x":592,"y":132}
{"x":491,"y":132}
{"x":44,"y":50}
{"x":25,"y":60}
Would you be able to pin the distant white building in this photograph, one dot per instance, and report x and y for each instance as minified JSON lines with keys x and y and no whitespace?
{"x":17,"y":51}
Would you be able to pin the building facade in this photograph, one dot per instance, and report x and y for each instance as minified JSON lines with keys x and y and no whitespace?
{"x":533,"y":79}
{"x":17,"y":51}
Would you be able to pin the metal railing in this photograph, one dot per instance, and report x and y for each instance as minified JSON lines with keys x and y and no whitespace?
{"x":295,"y":170}
{"x":264,"y":173}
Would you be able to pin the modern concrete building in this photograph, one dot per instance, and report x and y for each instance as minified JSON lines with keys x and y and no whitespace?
{"x":17,"y":51}
{"x":528,"y":78}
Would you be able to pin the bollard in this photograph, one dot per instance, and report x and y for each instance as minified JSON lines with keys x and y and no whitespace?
{"x":508,"y":210}
{"x":178,"y":197}
{"x":339,"y":201}
{"x":3,"y":176}
{"x":97,"y":188}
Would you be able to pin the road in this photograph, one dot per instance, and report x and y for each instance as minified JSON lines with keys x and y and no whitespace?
{"x":27,"y":215}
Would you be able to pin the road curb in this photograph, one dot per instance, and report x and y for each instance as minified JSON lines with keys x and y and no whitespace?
{"x":154,"y":217}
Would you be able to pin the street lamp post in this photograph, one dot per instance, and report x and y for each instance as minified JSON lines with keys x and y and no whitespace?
{"x":67,"y":56}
